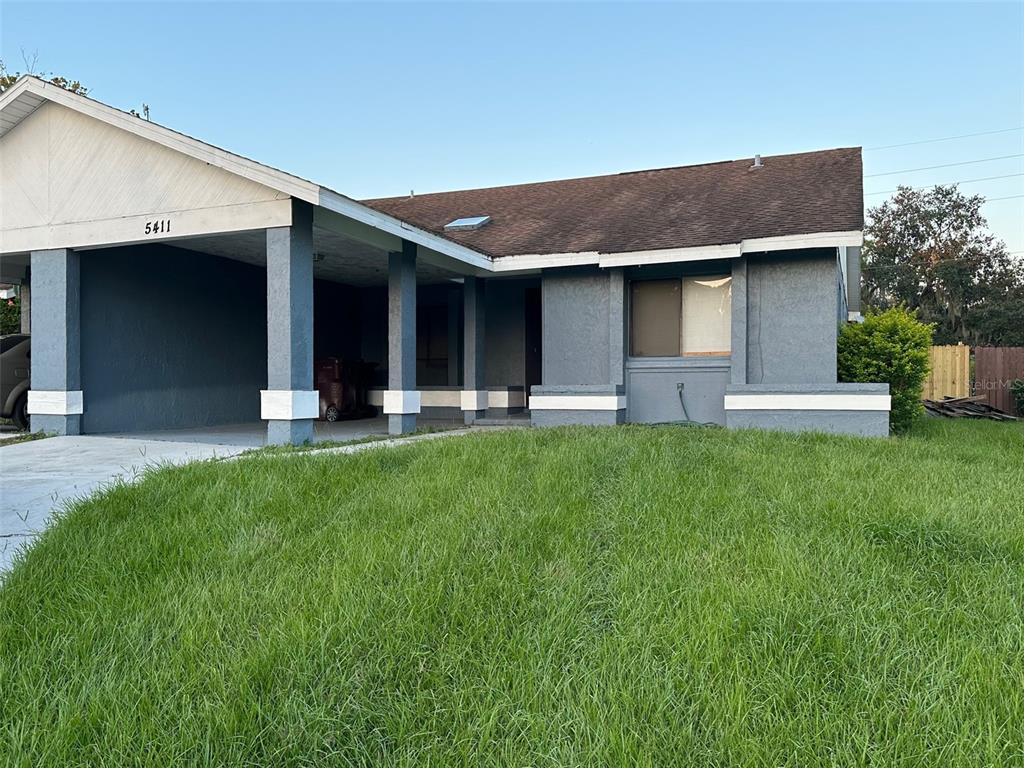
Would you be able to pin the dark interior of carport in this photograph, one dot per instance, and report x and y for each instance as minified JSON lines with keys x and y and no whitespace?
{"x":173,"y":336}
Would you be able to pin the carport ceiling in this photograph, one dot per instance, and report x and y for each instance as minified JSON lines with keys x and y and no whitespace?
{"x":341,"y":258}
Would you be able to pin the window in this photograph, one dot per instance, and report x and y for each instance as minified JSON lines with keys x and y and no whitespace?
{"x":688,"y":317}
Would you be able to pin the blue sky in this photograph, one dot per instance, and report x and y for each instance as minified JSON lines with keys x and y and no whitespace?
{"x":379,"y":99}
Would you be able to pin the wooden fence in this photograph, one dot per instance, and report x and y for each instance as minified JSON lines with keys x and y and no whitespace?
{"x":995,"y":368}
{"x":950,"y":374}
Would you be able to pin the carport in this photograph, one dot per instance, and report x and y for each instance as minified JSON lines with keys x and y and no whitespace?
{"x":173,"y":283}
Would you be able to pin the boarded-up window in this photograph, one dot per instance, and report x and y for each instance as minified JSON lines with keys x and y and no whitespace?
{"x":655,"y":318}
{"x":680,"y":317}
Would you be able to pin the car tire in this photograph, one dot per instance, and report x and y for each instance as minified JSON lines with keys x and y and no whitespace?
{"x":19,"y":415}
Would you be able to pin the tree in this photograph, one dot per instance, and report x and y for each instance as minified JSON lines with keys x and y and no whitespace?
{"x":10,"y":316}
{"x":929,"y":250}
{"x":8,"y":78}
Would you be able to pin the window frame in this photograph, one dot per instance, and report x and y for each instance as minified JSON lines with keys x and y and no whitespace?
{"x":722,"y":271}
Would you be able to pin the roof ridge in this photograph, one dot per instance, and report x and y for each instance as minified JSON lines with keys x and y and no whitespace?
{"x":606,"y":175}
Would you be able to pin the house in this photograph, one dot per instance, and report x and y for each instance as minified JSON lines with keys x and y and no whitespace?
{"x":706,"y":293}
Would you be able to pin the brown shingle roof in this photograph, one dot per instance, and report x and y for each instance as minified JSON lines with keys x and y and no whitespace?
{"x":691,"y":205}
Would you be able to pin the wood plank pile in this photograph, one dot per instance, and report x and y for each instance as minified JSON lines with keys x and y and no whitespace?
{"x":966,"y":408}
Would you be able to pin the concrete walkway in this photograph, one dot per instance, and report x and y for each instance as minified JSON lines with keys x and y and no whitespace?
{"x":40,"y":476}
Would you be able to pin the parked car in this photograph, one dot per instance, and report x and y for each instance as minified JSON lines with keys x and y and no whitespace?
{"x":14,"y":372}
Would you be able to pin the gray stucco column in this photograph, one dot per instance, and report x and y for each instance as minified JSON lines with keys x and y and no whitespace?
{"x":401,"y":400}
{"x":738,"y":322}
{"x":453,"y":336}
{"x":289,"y":404}
{"x":474,"y":383}
{"x":25,"y":302}
{"x":617,"y":327}
{"x":55,"y":401}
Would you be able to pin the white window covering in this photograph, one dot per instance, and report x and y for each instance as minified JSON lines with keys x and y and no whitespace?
{"x":707,"y":313}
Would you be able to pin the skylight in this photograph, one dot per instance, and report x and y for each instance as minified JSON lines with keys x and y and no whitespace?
{"x":469,"y":222}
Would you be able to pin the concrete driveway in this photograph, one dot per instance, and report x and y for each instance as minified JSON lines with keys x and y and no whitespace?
{"x":40,"y":476}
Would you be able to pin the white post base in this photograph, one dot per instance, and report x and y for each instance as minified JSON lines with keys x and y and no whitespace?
{"x":397,"y":401}
{"x":289,"y":404}
{"x":48,"y":402}
{"x":474,"y":400}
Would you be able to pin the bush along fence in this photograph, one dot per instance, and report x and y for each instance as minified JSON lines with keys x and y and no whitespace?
{"x":890,"y":347}
{"x":995,"y":369}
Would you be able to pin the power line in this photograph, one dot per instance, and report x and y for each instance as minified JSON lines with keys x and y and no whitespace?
{"x":945,"y":165}
{"x":945,"y":138}
{"x":962,"y":259}
{"x":1008,"y":197}
{"x":961,"y":181}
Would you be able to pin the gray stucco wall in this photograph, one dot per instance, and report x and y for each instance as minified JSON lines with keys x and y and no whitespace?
{"x":575,"y":327}
{"x":792,"y":307}
{"x":654,"y":390}
{"x":170,"y":338}
{"x":653,"y":382}
{"x":851,"y":421}
{"x":860,"y":423}
{"x":787,"y":303}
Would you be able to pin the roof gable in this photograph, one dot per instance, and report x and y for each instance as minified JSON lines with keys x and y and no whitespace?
{"x":60,"y":166}
{"x":30,"y":93}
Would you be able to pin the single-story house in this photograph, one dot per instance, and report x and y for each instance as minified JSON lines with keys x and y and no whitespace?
{"x":175,"y":284}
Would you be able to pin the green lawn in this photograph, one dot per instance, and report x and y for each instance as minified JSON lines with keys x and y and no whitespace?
{"x":616,"y":596}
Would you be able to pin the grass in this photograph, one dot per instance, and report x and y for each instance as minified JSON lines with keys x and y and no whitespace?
{"x":627,"y":596}
{"x":21,"y":437}
{"x":322,"y":445}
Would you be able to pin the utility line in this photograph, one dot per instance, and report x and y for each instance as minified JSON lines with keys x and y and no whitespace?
{"x":945,"y":138}
{"x":879,"y":267}
{"x":945,"y":165}
{"x":961,"y":181}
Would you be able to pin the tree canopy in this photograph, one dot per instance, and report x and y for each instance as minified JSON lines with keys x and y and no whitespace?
{"x":8,"y":78}
{"x":931,"y":251}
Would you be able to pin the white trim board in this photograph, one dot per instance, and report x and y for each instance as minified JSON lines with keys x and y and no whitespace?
{"x":131,"y":229}
{"x":473,"y":400}
{"x":289,"y":404}
{"x":398,"y":401}
{"x":466,"y":399}
{"x":536,"y":261}
{"x":506,"y":398}
{"x":50,"y":402}
{"x":796,"y":401}
{"x":577,"y":402}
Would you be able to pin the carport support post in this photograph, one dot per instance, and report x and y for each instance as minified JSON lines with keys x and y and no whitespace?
{"x":289,"y":403}
{"x":25,"y":302}
{"x":402,"y":400}
{"x":474,"y":384}
{"x":55,"y":400}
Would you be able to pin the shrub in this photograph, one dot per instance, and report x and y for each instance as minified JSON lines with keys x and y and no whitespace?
{"x":1017,"y":388}
{"x":10,"y":316}
{"x":890,"y":347}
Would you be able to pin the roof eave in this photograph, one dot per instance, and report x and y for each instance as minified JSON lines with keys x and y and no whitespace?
{"x":281,"y":181}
